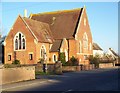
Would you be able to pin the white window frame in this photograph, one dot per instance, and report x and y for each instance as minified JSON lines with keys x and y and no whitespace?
{"x":8,"y":56}
{"x":66,"y":55}
{"x":30,"y":56}
{"x":42,"y":47}
{"x":85,"y":41}
{"x":15,"y":37}
{"x":80,"y":47}
{"x":53,"y":57}
{"x":90,"y":46}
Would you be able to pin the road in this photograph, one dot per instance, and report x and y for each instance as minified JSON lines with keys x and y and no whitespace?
{"x":93,"y":80}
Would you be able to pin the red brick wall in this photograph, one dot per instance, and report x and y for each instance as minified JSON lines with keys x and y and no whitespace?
{"x":22,"y":55}
{"x":34,"y":48}
{"x":74,"y":44}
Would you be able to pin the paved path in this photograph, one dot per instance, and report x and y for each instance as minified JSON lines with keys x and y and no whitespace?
{"x":94,"y":80}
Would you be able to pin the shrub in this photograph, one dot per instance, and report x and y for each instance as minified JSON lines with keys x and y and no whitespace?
{"x":74,"y":61}
{"x":16,"y":62}
{"x":94,"y":60}
{"x":8,"y":66}
{"x":62,"y":58}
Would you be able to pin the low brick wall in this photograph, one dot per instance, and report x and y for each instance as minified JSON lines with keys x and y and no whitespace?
{"x":70,"y":68}
{"x":77,"y":68}
{"x":88,"y":67}
{"x":54,"y":68}
{"x":39,"y":67}
{"x":105,"y":65}
{"x":10,"y":75}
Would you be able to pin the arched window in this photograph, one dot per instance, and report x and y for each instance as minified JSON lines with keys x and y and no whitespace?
{"x":19,"y":41}
{"x":54,"y":58}
{"x":66,"y":55}
{"x":23,"y":43}
{"x":43,"y":52}
{"x":85,"y":41}
{"x":90,"y":46}
{"x":16,"y":44}
{"x":80,"y":47}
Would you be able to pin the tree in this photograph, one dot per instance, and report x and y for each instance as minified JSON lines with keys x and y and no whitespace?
{"x":94,"y":60}
{"x":74,"y":61}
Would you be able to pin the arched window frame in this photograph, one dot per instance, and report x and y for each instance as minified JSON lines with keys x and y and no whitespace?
{"x":19,"y":37}
{"x":80,"y":47}
{"x":42,"y":52}
{"x":85,"y":41}
{"x":23,"y":43}
{"x":66,"y":55}
{"x":54,"y":58}
{"x":16,"y":44}
{"x":90,"y":46}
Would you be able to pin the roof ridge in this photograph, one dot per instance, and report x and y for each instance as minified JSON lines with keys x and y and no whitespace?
{"x":35,"y":20}
{"x":57,"y":11}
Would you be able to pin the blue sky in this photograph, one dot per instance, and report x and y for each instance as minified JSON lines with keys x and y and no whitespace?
{"x":103,"y":17}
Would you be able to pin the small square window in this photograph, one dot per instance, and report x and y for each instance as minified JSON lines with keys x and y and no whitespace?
{"x":30,"y":56}
{"x":9,"y":57}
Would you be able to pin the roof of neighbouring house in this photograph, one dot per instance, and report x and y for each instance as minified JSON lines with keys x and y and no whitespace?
{"x":56,"y":46}
{"x":113,"y":52}
{"x":63,"y":23}
{"x":41,"y":30}
{"x":96,"y":47}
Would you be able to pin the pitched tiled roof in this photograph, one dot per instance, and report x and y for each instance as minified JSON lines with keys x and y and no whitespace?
{"x":41,"y":30}
{"x":62,"y":23}
{"x":56,"y":46}
{"x":113,"y":52}
{"x":96,"y":47}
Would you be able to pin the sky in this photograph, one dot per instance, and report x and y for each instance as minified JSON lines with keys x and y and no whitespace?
{"x":102,"y":16}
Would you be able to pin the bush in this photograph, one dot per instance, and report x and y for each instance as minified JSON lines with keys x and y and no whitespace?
{"x":62,"y":58}
{"x":94,"y":60}
{"x":11,"y":65}
{"x":72,"y":62}
{"x":16,"y":62}
{"x":8,"y":66}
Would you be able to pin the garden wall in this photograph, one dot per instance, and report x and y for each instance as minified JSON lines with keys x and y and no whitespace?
{"x":10,"y":75}
{"x":105,"y":65}
{"x":54,"y":68}
{"x":77,"y":68}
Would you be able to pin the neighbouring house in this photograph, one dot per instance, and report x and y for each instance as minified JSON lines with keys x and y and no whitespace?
{"x":97,"y":50}
{"x":46,"y":35}
{"x":112,"y":54}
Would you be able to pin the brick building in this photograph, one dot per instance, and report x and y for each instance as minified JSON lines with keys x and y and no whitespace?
{"x":46,"y":35}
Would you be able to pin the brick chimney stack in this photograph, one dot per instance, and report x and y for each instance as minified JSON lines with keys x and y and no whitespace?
{"x":25,"y":13}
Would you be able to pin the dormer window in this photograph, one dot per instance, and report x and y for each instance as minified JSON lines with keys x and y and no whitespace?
{"x":19,"y":41}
